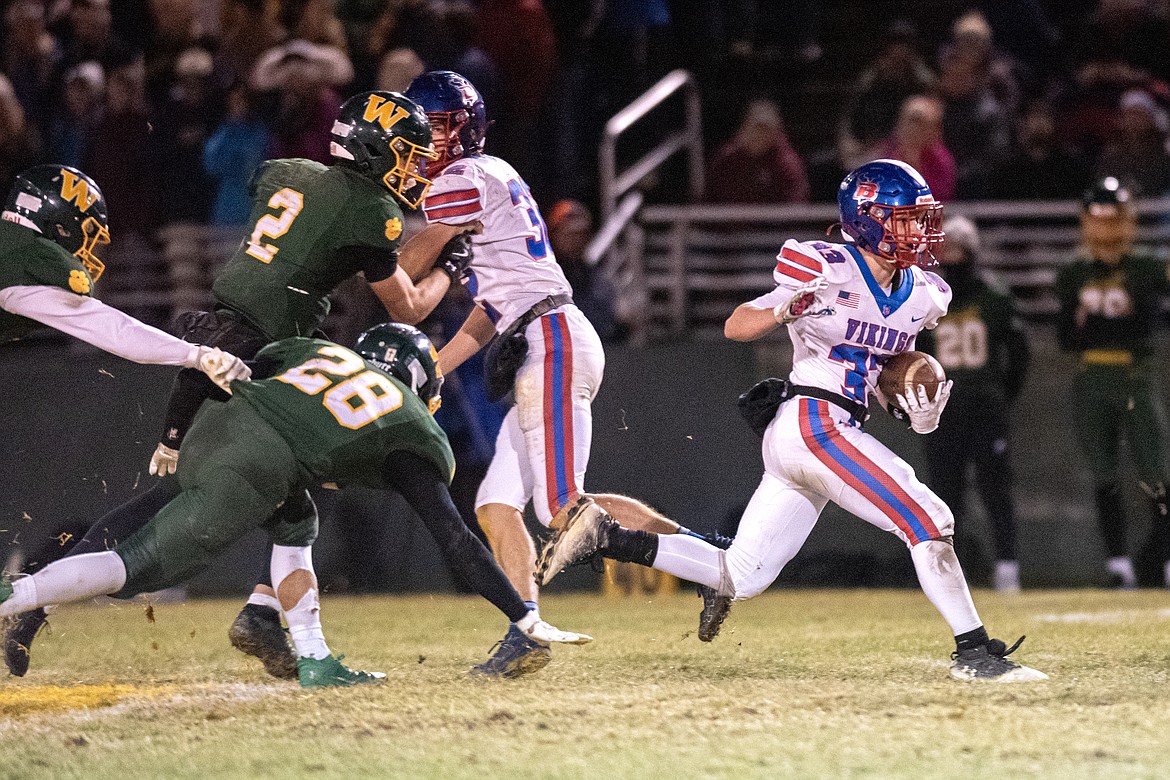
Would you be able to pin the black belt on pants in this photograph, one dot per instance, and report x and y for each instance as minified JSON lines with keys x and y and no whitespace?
{"x":539,"y":309}
{"x":857,"y":411}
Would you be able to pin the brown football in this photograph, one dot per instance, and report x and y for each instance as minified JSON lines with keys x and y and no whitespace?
{"x":902,"y":374}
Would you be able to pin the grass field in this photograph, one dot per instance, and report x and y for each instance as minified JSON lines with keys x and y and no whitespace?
{"x":800,"y":684}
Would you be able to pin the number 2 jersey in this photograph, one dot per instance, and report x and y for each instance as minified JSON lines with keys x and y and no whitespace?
{"x":340,"y":415}
{"x":863,"y":325}
{"x":513,"y":266}
{"x":312,"y":227}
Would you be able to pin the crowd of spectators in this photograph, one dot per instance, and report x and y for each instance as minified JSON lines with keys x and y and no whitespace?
{"x":171,"y":103}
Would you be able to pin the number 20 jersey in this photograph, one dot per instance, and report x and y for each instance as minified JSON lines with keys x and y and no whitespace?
{"x":513,"y":266}
{"x":842,"y":351}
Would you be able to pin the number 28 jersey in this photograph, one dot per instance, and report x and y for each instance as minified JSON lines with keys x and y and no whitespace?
{"x":513,"y":266}
{"x":340,"y":415}
{"x":842,"y":350}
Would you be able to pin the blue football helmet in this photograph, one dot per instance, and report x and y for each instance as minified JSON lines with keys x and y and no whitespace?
{"x":457,"y":114}
{"x":888,"y":209}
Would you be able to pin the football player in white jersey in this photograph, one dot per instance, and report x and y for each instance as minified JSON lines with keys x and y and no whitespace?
{"x":522,"y":295}
{"x":848,"y":308}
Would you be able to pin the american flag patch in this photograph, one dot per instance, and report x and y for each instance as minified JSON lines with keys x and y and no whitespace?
{"x":850,"y":300}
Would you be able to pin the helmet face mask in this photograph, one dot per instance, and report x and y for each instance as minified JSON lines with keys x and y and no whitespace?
{"x":405,"y":353}
{"x":386,"y":137}
{"x":66,"y":207}
{"x":1108,"y":221}
{"x":456,"y":111}
{"x":888,"y":210}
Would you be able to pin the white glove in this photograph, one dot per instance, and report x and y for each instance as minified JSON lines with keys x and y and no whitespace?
{"x":538,"y":631}
{"x":924,"y":413}
{"x":805,"y":303}
{"x":221,"y":366}
{"x":164,"y":461}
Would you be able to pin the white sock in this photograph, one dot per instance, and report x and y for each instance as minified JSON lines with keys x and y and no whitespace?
{"x":1122,"y":566}
{"x":941,"y":578}
{"x":69,"y":579}
{"x":689,"y":558}
{"x":304,"y":620}
{"x":304,"y":625}
{"x":264,"y":600}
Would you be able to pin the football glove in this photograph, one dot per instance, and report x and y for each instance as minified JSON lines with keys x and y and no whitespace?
{"x":455,"y":256}
{"x":164,"y":461}
{"x":805,"y":303}
{"x":542,"y":633}
{"x":924,"y":413}
{"x":221,"y":367}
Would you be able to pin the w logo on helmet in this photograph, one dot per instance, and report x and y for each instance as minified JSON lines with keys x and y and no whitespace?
{"x":76,"y":190}
{"x":384,"y":112}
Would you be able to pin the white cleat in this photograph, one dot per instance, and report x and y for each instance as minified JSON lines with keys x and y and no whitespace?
{"x":580,"y":537}
{"x":989,"y":663}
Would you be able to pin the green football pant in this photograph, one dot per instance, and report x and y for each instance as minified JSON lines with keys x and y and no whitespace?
{"x":1109,"y":403}
{"x":235,"y":473}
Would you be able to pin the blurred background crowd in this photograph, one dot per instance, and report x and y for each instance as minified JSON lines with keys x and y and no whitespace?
{"x":170,"y":104}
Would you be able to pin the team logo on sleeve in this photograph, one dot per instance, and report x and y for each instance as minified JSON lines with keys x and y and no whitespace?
{"x":79,"y":282}
{"x":393,"y":228}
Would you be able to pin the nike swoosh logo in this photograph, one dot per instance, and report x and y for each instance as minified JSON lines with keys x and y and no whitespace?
{"x":916,"y":319}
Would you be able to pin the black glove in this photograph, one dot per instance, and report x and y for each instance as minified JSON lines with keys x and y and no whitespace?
{"x":455,"y":256}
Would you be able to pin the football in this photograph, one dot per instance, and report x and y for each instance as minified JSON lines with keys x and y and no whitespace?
{"x":902,"y":374}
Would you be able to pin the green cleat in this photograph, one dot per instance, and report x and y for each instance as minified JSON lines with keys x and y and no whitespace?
{"x":330,"y":672}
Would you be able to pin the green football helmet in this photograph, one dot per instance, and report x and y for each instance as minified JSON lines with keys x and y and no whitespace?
{"x":66,"y":207}
{"x":387,"y":137}
{"x":404,"y":352}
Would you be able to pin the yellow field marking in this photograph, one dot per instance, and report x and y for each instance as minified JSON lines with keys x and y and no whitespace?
{"x":34,"y":700}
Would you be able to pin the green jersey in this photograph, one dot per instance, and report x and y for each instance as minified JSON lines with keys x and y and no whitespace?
{"x":980,"y":343}
{"x":341,"y":415}
{"x":313,"y":227}
{"x":27,"y":259}
{"x":1108,"y":313}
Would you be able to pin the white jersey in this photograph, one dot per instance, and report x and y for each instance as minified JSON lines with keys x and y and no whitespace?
{"x":843,"y":351}
{"x":513,"y":266}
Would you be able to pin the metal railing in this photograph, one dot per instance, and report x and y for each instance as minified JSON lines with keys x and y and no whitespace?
{"x":698,"y":261}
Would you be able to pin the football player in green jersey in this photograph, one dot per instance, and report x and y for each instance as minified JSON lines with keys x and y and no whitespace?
{"x":312,"y":227}
{"x":315,"y":413}
{"x":52,"y":228}
{"x":1109,"y":306}
{"x":983,"y":347}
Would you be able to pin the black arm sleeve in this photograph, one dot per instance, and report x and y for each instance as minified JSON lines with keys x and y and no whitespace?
{"x":424,"y":488}
{"x":190,"y":390}
{"x":377,"y":263}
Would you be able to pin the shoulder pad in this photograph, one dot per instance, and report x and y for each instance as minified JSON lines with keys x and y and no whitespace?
{"x":455,"y":196}
{"x":939,"y":292}
{"x":802,"y":261}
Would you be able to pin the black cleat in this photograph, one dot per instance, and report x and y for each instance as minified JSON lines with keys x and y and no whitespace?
{"x":715,"y":609}
{"x":513,"y":656}
{"x":989,"y":662}
{"x":257,"y":632}
{"x":19,"y":633}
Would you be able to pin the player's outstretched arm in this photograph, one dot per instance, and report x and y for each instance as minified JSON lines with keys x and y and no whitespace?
{"x":749,"y":322}
{"x":118,"y":333}
{"x":475,"y":332}
{"x":410,"y":303}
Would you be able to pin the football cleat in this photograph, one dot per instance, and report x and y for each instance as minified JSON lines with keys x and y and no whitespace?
{"x":581,"y":538}
{"x":330,"y":672}
{"x":256,"y":631}
{"x":989,"y":662}
{"x":18,"y":638}
{"x":715,"y":609}
{"x":513,"y":656}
